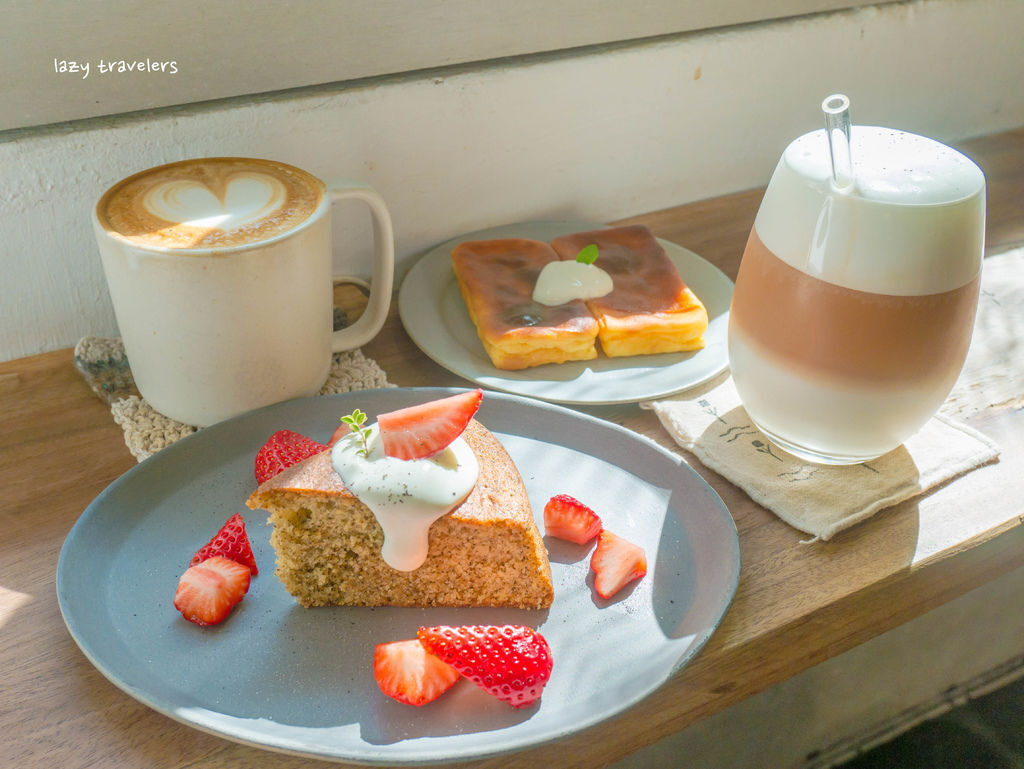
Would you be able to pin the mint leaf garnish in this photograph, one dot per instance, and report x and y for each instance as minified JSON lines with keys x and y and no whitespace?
{"x":587,"y":254}
{"x":355,"y":421}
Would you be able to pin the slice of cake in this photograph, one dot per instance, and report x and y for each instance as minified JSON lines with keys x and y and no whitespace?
{"x":496,"y":279}
{"x":650,"y":310}
{"x":487,"y":551}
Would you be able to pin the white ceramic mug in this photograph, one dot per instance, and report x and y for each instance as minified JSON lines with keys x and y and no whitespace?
{"x":221,"y":275}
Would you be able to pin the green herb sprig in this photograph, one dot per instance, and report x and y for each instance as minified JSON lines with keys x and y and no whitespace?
{"x":355,"y":421}
{"x":587,"y":254}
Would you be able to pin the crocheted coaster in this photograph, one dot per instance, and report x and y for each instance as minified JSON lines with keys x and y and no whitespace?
{"x":103,"y":364}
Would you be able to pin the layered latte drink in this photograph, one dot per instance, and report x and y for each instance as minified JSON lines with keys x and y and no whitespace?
{"x":854,"y":306}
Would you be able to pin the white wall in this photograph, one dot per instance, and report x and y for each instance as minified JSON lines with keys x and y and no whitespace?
{"x":596,"y":135}
{"x":272,"y":46}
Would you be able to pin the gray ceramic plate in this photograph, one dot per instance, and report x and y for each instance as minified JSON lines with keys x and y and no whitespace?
{"x":298,"y":680}
{"x":435,"y":317}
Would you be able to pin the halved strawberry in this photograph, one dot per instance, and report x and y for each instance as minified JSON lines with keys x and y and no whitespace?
{"x":208,"y":592}
{"x":339,"y":432}
{"x":421,"y":431}
{"x":566,"y":517}
{"x":512,"y":662}
{"x":407,"y":672}
{"x":231,"y":542}
{"x":282,"y":450}
{"x":616,"y":562}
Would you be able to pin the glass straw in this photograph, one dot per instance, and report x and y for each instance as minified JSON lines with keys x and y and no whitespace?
{"x":837,"y":126}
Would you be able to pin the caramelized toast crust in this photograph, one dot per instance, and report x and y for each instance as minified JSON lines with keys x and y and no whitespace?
{"x":496,"y":280}
{"x":650,"y":309}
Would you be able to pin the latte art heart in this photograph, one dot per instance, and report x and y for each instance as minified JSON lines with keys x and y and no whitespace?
{"x":210,"y":203}
{"x":244,"y":199}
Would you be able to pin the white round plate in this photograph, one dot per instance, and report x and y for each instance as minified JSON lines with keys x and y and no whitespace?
{"x":278,"y":676}
{"x":436,"y":319}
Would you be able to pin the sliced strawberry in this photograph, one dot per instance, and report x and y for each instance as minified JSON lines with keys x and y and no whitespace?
{"x":616,"y":562}
{"x":418,"y":432}
{"x":231,"y":542}
{"x":566,"y":517}
{"x":282,"y":450}
{"x":339,"y":432}
{"x":407,"y":672}
{"x":512,"y":662}
{"x":208,"y":592}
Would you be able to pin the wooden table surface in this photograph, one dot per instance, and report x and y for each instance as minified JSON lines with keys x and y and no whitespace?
{"x":797,"y":604}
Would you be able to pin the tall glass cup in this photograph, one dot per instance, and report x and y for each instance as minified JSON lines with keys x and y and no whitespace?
{"x":855,"y":299}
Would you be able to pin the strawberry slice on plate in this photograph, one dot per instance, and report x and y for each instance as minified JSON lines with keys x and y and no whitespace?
{"x":421,"y":431}
{"x":566,"y":517}
{"x":616,"y":562}
{"x":282,"y":450}
{"x":208,"y":592}
{"x":407,"y":672}
{"x":231,"y":542}
{"x":339,"y":432}
{"x":512,"y":662}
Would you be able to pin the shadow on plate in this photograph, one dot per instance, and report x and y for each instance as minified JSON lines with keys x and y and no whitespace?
{"x":319,"y":674}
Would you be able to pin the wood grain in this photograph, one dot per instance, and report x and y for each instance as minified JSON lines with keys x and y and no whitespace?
{"x":797,"y":604}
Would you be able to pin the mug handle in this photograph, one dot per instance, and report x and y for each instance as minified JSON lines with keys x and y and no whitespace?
{"x":383,"y":275}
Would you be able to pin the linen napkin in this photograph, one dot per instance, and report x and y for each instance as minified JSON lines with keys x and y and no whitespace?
{"x":103,"y":364}
{"x":993,"y":373}
{"x":822,"y":500}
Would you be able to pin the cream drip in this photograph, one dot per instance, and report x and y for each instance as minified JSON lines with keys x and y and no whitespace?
{"x":561,"y":282}
{"x":406,"y":496}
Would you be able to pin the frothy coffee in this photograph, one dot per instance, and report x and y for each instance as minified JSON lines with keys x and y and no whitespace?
{"x":210,"y":203}
{"x":912,"y":223}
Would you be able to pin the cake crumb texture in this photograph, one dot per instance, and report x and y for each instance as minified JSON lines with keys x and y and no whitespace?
{"x":487,"y":552}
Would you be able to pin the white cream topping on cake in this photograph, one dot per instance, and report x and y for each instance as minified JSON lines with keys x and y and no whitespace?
{"x":561,"y":282}
{"x":406,"y":496}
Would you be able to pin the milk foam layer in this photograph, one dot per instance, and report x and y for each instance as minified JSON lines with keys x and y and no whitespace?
{"x":210,"y":202}
{"x":911,"y":224}
{"x":406,"y":496}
